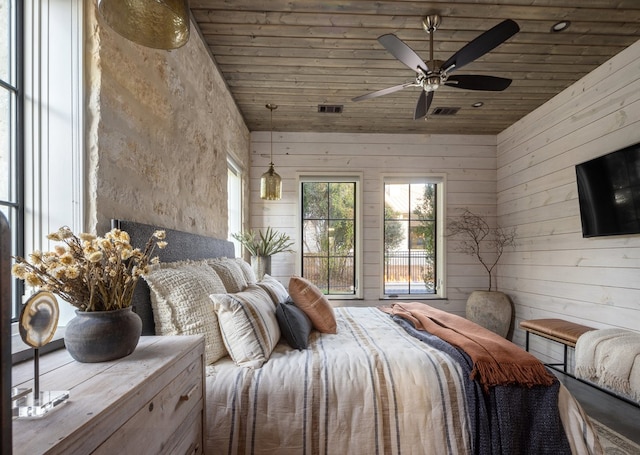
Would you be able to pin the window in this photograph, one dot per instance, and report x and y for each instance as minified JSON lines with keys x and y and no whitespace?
{"x":11,"y":133}
{"x":234,"y":202}
{"x":413,"y":238}
{"x":41,"y":124}
{"x":329,"y":232}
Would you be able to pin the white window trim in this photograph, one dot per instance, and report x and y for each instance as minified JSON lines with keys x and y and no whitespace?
{"x":441,"y":242}
{"x":331,"y":176}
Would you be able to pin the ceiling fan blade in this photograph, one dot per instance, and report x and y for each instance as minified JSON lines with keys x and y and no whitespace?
{"x":384,"y":91}
{"x":489,"y":40}
{"x":422,"y":107}
{"x":477,"y":82}
{"x":402,"y":52}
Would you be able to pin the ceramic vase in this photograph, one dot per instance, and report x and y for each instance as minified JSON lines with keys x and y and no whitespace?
{"x":99,"y":336}
{"x":261,"y":265}
{"x":490,"y":309}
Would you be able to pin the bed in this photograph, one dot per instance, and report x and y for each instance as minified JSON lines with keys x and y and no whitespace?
{"x":375,"y":386}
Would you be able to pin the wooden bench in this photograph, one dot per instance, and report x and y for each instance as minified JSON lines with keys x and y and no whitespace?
{"x":559,"y":330}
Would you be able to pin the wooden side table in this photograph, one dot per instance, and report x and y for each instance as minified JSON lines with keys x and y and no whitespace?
{"x":150,"y":402}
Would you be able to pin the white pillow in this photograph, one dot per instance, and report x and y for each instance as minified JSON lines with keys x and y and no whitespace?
{"x":248,"y":324}
{"x":230,"y":273}
{"x":276,"y":290}
{"x":247,"y":271}
{"x":181,"y":305}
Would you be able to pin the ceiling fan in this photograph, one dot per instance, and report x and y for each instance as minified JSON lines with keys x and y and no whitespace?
{"x":435,"y":73}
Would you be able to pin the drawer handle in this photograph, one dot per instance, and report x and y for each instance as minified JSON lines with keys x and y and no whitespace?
{"x":187,"y":396}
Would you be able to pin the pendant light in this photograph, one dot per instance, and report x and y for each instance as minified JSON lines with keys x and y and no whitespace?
{"x":159,"y":24}
{"x":270,"y":182}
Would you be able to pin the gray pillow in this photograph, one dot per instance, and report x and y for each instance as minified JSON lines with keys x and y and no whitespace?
{"x":295,"y":325}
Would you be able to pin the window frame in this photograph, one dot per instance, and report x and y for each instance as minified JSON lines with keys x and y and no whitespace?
{"x":336,"y":177}
{"x":53,"y":136}
{"x":440,"y":248}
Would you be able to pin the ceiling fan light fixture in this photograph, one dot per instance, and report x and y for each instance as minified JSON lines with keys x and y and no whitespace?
{"x":158,"y":24}
{"x":477,"y":104}
{"x":270,"y":181}
{"x":560,"y":26}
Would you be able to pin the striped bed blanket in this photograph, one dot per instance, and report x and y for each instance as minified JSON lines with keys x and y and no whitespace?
{"x":372,"y":388}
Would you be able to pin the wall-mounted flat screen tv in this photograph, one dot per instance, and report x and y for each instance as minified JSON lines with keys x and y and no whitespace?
{"x":609,"y":193}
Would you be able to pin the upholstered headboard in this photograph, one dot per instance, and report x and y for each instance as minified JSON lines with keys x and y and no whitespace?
{"x":181,"y":246}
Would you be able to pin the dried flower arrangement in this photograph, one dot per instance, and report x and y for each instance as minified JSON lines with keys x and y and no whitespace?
{"x":91,"y":273}
{"x":264,"y":244}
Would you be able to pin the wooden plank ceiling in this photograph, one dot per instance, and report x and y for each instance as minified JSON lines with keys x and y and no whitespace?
{"x":300,"y":54}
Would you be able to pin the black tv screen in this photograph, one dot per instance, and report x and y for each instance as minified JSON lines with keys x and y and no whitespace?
{"x":609,"y":193}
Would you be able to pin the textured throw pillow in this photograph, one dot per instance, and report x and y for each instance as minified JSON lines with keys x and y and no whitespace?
{"x":230,"y":273}
{"x":295,"y":325}
{"x":248,"y":324}
{"x":275,"y":289}
{"x":247,"y":271}
{"x":312,"y":301}
{"x":181,"y":305}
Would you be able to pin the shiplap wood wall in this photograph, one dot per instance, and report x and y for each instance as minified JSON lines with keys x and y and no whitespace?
{"x":554,"y":271}
{"x":468,"y":162}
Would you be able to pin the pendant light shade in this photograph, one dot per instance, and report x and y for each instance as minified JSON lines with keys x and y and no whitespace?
{"x":270,"y":181}
{"x":159,"y":24}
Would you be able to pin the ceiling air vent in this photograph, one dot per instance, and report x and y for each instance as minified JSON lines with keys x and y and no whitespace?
{"x":445,"y":111}
{"x":330,"y":108}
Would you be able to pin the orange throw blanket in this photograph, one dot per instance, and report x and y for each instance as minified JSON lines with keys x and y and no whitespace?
{"x":496,"y":361}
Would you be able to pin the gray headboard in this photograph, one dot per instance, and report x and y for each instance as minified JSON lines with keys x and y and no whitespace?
{"x":181,"y":246}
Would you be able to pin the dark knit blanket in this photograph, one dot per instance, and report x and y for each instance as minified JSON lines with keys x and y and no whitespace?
{"x":509,"y":419}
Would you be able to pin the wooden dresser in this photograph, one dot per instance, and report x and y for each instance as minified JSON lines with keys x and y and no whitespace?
{"x":151,"y":402}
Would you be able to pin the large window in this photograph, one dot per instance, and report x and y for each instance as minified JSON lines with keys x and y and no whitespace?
{"x":11,"y":133}
{"x":412,"y":237}
{"x":330,"y":249}
{"x":234,"y":202}
{"x":41,"y":124}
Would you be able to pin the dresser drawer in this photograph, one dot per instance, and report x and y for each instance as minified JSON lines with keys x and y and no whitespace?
{"x":153,"y":428}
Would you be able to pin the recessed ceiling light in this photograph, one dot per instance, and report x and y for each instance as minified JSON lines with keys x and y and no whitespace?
{"x":560,"y":26}
{"x":478,"y":104}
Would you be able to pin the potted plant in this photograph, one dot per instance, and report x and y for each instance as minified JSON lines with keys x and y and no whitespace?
{"x":491,"y":309}
{"x":261,"y":246}
{"x":97,"y":275}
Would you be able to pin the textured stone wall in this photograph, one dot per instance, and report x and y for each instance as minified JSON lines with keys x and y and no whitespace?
{"x":160,"y":125}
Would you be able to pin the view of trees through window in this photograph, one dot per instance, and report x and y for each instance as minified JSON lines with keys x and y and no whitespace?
{"x":329,"y":235}
{"x":410,"y":238}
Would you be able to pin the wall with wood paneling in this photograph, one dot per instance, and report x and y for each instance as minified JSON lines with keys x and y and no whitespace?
{"x":554,"y":271}
{"x":160,"y":127}
{"x":469,"y":163}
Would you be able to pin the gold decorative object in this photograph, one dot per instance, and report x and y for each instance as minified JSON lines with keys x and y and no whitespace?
{"x":159,"y":24}
{"x":270,"y":182}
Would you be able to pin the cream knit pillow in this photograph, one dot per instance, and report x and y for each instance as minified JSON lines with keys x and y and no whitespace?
{"x":181,"y":305}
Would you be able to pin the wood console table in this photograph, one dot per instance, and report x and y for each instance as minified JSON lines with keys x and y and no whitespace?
{"x":150,"y":402}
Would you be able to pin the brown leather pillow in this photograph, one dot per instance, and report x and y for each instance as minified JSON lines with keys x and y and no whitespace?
{"x":312,"y":301}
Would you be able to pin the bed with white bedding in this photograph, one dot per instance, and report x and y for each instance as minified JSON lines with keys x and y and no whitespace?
{"x":375,"y":386}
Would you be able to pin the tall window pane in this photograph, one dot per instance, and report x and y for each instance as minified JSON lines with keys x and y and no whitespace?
{"x":329,"y":235}
{"x":9,"y":127}
{"x":410,"y":229}
{"x":234,"y":203}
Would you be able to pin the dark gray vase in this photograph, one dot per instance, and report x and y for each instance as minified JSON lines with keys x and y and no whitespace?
{"x":99,"y":336}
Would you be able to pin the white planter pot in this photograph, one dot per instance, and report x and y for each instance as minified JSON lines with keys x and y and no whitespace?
{"x":490,"y":309}
{"x":261,"y":265}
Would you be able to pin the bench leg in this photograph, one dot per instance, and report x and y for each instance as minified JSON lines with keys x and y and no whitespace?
{"x":565,"y":358}
{"x":526,"y":342}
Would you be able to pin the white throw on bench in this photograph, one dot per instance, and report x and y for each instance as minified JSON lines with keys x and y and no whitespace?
{"x":610,"y":358}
